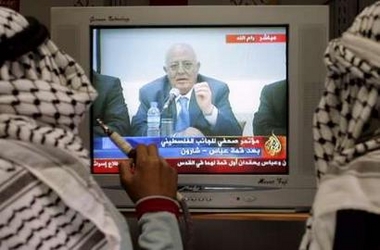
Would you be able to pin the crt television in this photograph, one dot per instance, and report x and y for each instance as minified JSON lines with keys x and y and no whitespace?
{"x":246,"y":47}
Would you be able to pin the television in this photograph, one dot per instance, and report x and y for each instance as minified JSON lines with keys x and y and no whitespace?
{"x":247,"y":47}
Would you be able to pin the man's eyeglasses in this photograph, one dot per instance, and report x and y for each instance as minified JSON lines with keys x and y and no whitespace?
{"x":185,"y":65}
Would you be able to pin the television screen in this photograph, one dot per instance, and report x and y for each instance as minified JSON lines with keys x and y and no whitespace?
{"x":243,"y":58}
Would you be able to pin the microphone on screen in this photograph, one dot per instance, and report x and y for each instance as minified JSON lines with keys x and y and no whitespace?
{"x":172,"y":95}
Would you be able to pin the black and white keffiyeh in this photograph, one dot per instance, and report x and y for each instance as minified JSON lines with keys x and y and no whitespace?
{"x":44,"y":93}
{"x":346,"y":122}
{"x":48,"y":199}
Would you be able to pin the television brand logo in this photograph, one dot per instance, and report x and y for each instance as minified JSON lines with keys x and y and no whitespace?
{"x":273,"y":181}
{"x":109,"y":19}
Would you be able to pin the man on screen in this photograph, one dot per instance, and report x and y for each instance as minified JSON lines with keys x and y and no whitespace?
{"x":110,"y":105}
{"x":206,"y":109}
{"x":271,"y":117}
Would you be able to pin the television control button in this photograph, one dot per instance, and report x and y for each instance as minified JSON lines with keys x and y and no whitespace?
{"x":197,"y":199}
{"x":249,"y":198}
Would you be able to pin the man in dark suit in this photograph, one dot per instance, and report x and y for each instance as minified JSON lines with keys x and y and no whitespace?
{"x":110,"y":105}
{"x":272,"y":114}
{"x":208,"y":111}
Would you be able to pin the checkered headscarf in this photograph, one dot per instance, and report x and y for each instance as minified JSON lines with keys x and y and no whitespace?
{"x":54,"y":201}
{"x":44,"y":93}
{"x":346,"y":122}
{"x":347,"y":117}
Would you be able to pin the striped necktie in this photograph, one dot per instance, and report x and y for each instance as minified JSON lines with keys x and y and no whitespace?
{"x":183,"y":119}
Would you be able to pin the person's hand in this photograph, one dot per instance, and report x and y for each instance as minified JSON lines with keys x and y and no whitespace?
{"x":203,"y":96}
{"x":149,"y":175}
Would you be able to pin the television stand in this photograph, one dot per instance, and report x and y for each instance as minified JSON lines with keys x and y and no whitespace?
{"x":283,"y":216}
{"x":259,"y":216}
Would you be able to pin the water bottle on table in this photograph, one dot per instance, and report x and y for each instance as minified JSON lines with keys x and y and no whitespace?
{"x":167,"y":126}
{"x":153,"y":120}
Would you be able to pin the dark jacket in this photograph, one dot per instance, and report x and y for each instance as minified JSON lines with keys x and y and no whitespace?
{"x":272,"y":113}
{"x":110,"y":105}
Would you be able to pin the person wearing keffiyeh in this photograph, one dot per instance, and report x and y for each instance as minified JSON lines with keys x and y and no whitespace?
{"x":48,"y":198}
{"x":346,"y":128}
